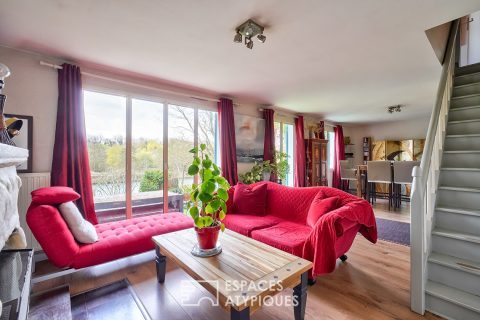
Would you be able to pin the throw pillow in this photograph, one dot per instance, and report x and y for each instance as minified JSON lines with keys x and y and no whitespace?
{"x":249,"y":199}
{"x":319,"y":207}
{"x":54,"y":195}
{"x":82,"y":230}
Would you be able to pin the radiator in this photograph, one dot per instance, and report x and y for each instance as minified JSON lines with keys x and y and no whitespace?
{"x":30,"y":182}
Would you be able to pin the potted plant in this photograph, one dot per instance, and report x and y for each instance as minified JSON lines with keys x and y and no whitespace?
{"x":281,"y":166}
{"x":260,"y":171}
{"x":207,"y":205}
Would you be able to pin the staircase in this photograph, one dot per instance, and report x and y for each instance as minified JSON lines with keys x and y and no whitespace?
{"x":452,"y":289}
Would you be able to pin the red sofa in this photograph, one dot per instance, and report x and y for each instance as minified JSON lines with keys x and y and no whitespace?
{"x":284,"y":224}
{"x":115,"y":239}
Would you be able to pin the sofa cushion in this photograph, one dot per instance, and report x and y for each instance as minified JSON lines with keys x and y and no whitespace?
{"x":250,"y":199}
{"x":319,"y":207}
{"x":245,"y":224}
{"x":124,"y":238}
{"x":82,"y":230}
{"x":287,"y":236}
{"x":54,"y":195}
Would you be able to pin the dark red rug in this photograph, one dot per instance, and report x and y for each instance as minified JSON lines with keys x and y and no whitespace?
{"x":393,"y":231}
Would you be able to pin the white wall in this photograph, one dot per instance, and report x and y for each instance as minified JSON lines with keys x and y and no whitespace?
{"x":32,"y":91}
{"x":474,"y":39}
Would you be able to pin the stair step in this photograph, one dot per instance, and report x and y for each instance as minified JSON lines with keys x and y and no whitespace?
{"x":455,"y":142}
{"x":51,"y":304}
{"x":470,"y":126}
{"x":458,"y":198}
{"x":469,"y":69}
{"x":472,"y":77}
{"x":465,"y":100}
{"x":464,"y":189}
{"x":456,"y":235}
{"x":455,"y":263}
{"x":455,"y":296}
{"x":466,"y":89}
{"x":459,"y":211}
{"x":460,"y":169}
{"x":453,"y":221}
{"x":468,"y":159}
{"x":462,"y":151}
{"x":460,"y":178}
{"x":470,"y":135}
{"x":463,"y":121}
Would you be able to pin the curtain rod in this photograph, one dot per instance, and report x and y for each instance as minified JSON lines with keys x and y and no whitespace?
{"x":93,"y":75}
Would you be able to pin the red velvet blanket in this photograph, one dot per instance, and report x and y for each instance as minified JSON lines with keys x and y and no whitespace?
{"x":320,"y":247}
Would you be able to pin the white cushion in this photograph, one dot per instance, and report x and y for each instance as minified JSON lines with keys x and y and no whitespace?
{"x":82,"y":230}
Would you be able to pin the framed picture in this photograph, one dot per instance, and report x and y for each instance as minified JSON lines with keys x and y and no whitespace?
{"x":24,"y":139}
{"x":250,"y":134}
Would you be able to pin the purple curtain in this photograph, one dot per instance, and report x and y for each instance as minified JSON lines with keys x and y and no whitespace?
{"x":269,"y":142}
{"x":338,"y":154}
{"x":228,"y":151}
{"x":70,"y":165}
{"x":299,"y":163}
{"x":322,"y":129}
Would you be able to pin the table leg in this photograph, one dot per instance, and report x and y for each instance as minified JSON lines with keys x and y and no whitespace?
{"x":240,"y":315}
{"x":161,"y":262}
{"x":300,"y":296}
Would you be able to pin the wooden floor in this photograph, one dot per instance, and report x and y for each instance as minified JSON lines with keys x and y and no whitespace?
{"x":372,"y":284}
{"x":398,"y":214}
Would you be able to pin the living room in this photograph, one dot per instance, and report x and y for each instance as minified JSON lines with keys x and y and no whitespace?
{"x":162,"y":161}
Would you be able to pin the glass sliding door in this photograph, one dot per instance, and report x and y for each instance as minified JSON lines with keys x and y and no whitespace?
{"x":147,"y":157}
{"x":208,"y":133}
{"x":181,"y":132}
{"x":105,"y":123}
{"x":288,"y":149}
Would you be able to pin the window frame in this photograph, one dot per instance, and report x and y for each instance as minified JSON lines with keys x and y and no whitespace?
{"x":130,"y":93}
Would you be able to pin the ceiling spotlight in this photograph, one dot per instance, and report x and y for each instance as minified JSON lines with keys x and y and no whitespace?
{"x":238,"y":38}
{"x":248,"y":30}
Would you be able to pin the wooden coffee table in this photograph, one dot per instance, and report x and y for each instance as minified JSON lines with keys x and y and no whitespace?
{"x":243,"y":276}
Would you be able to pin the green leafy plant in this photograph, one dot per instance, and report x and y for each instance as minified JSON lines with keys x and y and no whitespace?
{"x":256,"y":173}
{"x":152,"y":180}
{"x":208,"y":199}
{"x":281,"y":167}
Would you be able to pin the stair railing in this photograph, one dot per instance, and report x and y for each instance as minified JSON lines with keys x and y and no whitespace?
{"x":425,"y":179}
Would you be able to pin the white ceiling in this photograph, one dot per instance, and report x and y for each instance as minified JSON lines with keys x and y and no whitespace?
{"x":344,"y":60}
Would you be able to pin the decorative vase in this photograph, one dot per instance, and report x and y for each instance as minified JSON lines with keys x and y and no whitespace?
{"x":207,"y":237}
{"x":266,"y":176}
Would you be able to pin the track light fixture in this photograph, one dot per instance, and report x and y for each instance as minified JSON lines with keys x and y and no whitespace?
{"x":248,"y":30}
{"x":396,"y":108}
{"x":237,"y":38}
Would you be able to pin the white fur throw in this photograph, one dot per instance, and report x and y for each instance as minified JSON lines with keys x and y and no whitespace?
{"x":82,"y":230}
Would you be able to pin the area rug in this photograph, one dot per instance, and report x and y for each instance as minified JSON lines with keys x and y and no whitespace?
{"x":393,"y":231}
{"x":114,"y":301}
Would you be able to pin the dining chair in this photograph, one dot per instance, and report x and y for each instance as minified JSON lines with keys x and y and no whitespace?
{"x":402,"y":175}
{"x":379,"y":172}
{"x":347,"y":173}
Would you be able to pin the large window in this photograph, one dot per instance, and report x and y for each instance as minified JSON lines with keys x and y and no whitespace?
{"x":105,"y":120}
{"x":132,"y":142}
{"x":284,"y":143}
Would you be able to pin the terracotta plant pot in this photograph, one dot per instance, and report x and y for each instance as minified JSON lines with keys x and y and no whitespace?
{"x":207,"y":237}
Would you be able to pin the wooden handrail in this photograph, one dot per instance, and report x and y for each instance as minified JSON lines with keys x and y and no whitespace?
{"x":433,"y":124}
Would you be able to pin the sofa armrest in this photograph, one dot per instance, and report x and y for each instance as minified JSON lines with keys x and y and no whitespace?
{"x":53,"y":234}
